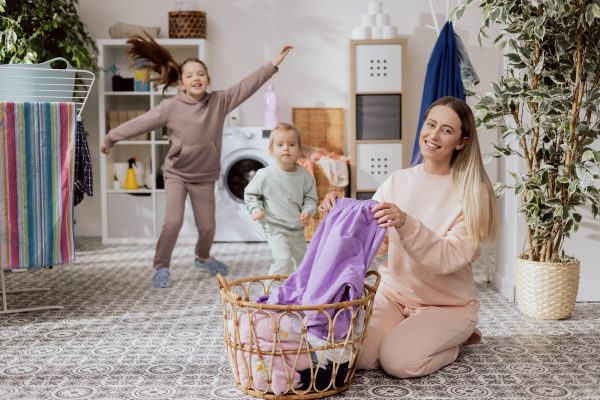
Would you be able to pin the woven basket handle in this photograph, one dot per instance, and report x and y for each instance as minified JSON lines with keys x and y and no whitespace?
{"x":377,"y":278}
{"x":222,"y":282}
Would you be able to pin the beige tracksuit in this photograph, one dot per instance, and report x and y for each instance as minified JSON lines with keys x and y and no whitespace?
{"x":426,"y":305}
{"x":193,"y":162}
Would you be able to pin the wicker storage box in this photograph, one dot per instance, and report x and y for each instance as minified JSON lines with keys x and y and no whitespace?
{"x":187,"y":24}
{"x":270,"y":348}
{"x":323,"y":187}
{"x":321,"y":128}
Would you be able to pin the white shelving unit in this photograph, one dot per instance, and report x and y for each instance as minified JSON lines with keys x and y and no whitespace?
{"x":135,"y":216}
{"x":377,"y":112}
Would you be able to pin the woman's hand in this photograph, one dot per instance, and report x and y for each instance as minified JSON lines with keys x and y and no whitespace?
{"x":105,"y":149}
{"x":282,"y":54}
{"x":328,"y":202}
{"x":258,"y":214}
{"x":389,"y":215}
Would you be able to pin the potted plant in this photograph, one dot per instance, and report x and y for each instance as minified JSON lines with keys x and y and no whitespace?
{"x":34,"y":31}
{"x":547,"y":109}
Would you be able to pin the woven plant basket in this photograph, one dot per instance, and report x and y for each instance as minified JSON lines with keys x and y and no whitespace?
{"x":187,"y":24}
{"x":267,"y":357}
{"x":547,"y":290}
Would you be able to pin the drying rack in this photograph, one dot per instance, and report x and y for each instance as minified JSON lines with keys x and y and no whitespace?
{"x":42,"y":83}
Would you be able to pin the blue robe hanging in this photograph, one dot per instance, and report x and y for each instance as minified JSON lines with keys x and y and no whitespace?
{"x":441,"y":79}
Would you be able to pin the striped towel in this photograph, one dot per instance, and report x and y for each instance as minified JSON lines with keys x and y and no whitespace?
{"x":36,"y":184}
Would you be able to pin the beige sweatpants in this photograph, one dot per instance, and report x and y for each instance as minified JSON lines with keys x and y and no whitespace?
{"x":409,"y":342}
{"x":202,"y":197}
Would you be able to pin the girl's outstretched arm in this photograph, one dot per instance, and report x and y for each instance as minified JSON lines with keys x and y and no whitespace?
{"x":282,"y":54}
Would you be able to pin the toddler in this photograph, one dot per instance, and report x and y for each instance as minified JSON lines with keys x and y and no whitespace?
{"x":283,"y":197}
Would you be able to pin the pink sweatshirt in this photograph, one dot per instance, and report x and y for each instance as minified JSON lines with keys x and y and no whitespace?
{"x":429,"y":258}
{"x":195,"y":128}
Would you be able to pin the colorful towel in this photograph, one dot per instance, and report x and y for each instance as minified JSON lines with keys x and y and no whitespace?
{"x":36,"y":184}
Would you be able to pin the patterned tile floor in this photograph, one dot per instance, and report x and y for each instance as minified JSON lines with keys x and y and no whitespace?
{"x":118,"y":338}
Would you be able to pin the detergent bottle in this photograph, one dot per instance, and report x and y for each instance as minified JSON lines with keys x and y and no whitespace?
{"x":130,"y":179}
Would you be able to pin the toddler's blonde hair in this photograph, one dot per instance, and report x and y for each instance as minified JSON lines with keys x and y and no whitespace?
{"x":283,"y":127}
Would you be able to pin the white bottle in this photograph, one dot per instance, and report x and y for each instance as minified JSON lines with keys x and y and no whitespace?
{"x":270,"y":119}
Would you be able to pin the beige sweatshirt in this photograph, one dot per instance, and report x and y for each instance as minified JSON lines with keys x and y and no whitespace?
{"x":195,"y":128}
{"x":429,"y":258}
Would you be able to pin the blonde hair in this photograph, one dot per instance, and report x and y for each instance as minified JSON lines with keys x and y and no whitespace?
{"x":283,"y":127}
{"x":469,"y":176}
{"x":144,"y":51}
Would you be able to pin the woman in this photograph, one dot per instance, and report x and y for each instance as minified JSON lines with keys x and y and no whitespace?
{"x":437,"y":213}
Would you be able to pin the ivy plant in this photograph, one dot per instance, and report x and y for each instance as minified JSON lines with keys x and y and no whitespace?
{"x":35,"y":31}
{"x":546,"y":107}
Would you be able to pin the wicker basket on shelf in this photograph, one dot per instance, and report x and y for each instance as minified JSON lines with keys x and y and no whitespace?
{"x":321,"y":128}
{"x":187,"y":24}
{"x":271,"y":350}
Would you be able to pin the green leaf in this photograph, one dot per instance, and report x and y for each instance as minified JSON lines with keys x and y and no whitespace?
{"x":587,"y":155}
{"x":592,"y":11}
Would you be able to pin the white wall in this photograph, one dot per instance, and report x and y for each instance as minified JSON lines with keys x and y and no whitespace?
{"x":244,"y":34}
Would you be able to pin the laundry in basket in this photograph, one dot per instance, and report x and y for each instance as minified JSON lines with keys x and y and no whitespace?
{"x":269,"y":347}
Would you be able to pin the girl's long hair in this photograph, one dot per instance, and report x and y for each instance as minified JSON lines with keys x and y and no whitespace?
{"x":469,"y":176}
{"x":145,"y":53}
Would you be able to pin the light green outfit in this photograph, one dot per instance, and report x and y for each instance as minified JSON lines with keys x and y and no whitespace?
{"x":283,"y":196}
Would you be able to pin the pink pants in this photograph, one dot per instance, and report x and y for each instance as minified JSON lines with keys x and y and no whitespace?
{"x":202,"y":197}
{"x":408,"y":342}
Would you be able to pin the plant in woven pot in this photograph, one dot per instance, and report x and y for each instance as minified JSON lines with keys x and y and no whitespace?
{"x":546,"y":106}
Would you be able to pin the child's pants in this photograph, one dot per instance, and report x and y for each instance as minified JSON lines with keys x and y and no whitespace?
{"x":202,"y":197}
{"x":288,"y":248}
{"x":409,"y":342}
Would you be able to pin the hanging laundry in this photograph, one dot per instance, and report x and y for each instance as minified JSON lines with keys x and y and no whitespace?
{"x":467,"y":70}
{"x":334,"y":267}
{"x":36,"y":184}
{"x":441,"y":79}
{"x":83,"y":166}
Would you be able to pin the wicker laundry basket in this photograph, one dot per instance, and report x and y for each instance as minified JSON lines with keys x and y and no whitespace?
{"x":273,"y":353}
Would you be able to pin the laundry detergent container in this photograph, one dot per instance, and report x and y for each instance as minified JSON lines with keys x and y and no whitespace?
{"x":292,"y":351}
{"x":37,"y":82}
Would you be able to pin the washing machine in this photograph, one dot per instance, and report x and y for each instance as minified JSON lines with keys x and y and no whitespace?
{"x":244,"y":151}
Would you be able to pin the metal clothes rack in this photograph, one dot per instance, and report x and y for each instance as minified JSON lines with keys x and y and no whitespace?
{"x":436,"y":27}
{"x":41,"y":83}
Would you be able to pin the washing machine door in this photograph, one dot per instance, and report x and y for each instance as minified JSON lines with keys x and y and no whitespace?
{"x":234,"y":223}
{"x":240,"y":170}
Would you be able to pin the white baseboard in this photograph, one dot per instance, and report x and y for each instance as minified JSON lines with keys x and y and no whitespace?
{"x":506,"y":289}
{"x":91,"y":230}
{"x":588,"y":293}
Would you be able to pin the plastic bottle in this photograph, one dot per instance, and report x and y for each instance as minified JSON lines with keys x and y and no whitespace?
{"x":271,"y":118}
{"x":130,"y":179}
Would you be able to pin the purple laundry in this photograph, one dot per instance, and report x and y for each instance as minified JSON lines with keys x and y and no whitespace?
{"x":334,"y":266}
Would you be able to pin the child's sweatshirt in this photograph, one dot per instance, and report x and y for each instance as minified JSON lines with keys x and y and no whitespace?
{"x":282,"y":195}
{"x":429,"y":258}
{"x":194,"y":128}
